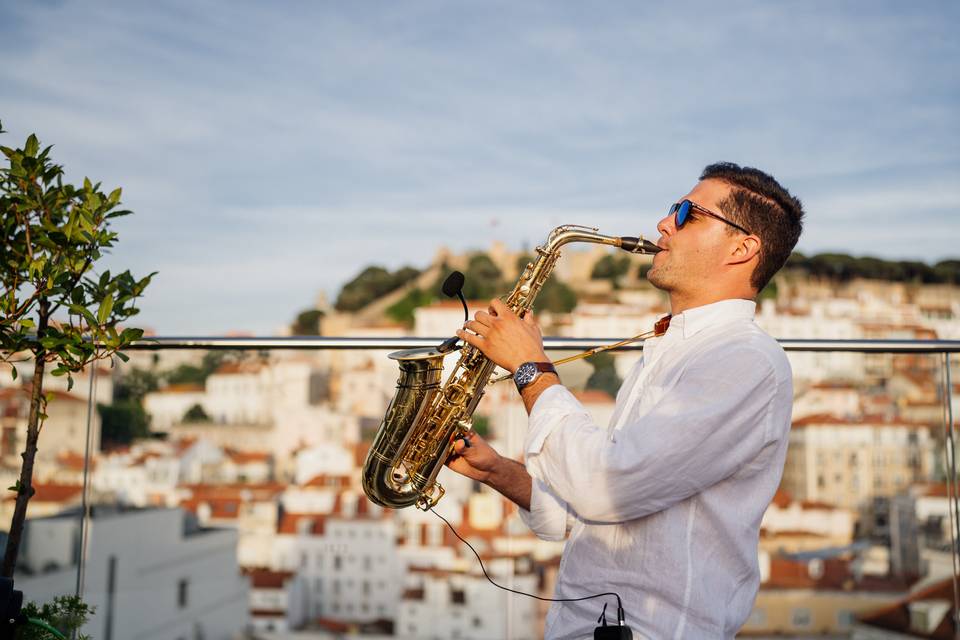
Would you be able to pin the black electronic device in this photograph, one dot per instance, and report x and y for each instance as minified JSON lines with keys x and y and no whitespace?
{"x":613,"y":632}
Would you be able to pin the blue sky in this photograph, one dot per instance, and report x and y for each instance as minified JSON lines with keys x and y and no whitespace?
{"x":271,"y":150}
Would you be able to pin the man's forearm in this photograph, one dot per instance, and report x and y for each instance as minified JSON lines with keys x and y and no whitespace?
{"x":510,"y":478}
{"x":531,"y":393}
{"x":512,"y":481}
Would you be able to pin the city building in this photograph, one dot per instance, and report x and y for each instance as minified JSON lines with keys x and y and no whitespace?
{"x":147,"y":571}
{"x":848,"y":461}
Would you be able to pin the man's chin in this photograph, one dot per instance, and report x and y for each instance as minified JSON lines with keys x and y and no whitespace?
{"x":657,"y":279}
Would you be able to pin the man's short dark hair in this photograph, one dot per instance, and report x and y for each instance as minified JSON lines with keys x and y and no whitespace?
{"x":759,"y":203}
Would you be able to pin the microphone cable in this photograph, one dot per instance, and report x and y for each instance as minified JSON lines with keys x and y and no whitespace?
{"x":620,"y":612}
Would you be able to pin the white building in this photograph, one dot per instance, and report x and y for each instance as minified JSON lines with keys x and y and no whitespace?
{"x":833,"y":399}
{"x":817,"y":322}
{"x":147,"y":572}
{"x":138,"y":476}
{"x":65,"y":430}
{"x":845,"y":462}
{"x":472,"y":608}
{"x":833,"y":525}
{"x":168,"y":406}
{"x":278,"y":600}
{"x":348,"y":560}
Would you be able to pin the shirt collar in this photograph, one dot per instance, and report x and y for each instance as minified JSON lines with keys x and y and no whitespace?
{"x":692,"y":321}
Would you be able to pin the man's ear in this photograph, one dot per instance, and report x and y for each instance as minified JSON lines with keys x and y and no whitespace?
{"x":744,"y":250}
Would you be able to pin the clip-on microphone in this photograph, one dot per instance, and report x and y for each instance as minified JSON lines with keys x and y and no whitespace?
{"x":453,"y":286}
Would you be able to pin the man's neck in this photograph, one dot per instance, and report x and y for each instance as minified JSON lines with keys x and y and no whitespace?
{"x":680,"y":303}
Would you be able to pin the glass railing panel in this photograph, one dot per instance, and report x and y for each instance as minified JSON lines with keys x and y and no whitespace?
{"x":226,"y":497}
{"x":862,"y":518}
{"x":51,"y":539}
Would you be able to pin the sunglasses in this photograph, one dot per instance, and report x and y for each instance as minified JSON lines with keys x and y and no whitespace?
{"x":682,"y":210}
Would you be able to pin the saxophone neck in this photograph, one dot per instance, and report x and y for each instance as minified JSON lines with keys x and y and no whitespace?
{"x":576,"y":233}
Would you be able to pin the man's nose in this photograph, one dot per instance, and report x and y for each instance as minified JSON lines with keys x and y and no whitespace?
{"x":666,"y":226}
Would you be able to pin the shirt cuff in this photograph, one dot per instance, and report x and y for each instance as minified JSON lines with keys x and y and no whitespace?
{"x":554,"y":404}
{"x":547,"y":516}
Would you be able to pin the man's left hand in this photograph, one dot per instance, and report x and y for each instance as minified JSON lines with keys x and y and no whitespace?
{"x":504,"y":337}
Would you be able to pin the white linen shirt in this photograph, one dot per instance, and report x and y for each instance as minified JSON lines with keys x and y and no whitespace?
{"x":664,"y":505}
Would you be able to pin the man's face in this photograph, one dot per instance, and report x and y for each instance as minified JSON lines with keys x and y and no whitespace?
{"x":695,"y":253}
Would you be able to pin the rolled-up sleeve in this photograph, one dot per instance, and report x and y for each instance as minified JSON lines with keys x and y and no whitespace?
{"x":548,"y":516}
{"x":703,"y":430}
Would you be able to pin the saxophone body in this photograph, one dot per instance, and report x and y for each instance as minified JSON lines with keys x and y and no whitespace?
{"x":416,"y":435}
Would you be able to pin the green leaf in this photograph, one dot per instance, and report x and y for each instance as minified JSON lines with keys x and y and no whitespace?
{"x":32,"y":146}
{"x":13,"y":372}
{"x":69,"y":382}
{"x":58,"y":372}
{"x":131,"y":334}
{"x":83,"y":311}
{"x":15,"y":487}
{"x":123,"y":356}
{"x":105,"y":308}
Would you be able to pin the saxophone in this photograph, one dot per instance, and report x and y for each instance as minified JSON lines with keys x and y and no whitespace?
{"x":423,"y":418}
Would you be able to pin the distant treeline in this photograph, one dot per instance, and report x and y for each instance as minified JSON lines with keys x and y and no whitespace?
{"x":842,"y":267}
{"x":484,"y":280}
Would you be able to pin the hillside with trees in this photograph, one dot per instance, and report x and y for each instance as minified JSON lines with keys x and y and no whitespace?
{"x":485,"y":280}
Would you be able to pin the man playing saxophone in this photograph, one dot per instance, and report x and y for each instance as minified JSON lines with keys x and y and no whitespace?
{"x":663,"y":505}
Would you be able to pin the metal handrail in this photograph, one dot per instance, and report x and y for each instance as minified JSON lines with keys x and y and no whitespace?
{"x":551,"y":343}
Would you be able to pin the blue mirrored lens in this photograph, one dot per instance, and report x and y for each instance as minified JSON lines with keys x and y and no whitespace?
{"x":683,"y":212}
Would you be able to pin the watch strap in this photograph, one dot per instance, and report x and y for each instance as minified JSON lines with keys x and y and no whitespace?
{"x":545,"y":367}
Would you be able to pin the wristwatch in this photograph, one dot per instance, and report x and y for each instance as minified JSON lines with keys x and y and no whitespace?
{"x":526,"y":373}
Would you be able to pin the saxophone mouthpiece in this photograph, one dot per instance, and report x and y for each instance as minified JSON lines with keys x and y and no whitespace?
{"x":638,"y":245}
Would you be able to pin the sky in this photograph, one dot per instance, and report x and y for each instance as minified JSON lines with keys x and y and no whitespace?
{"x":270,"y":151}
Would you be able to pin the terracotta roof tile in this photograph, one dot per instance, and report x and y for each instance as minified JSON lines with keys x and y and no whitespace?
{"x":262,"y":578}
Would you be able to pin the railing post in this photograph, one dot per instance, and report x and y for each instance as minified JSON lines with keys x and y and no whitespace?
{"x":85,"y":495}
{"x":952,"y":498}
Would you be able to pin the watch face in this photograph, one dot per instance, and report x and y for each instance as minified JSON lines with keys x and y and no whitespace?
{"x":525,"y":374}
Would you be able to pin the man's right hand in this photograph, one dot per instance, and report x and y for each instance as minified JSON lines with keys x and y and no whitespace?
{"x":478,"y":461}
{"x":481,"y":462}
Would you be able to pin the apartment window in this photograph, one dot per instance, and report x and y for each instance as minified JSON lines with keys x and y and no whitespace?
{"x":844,"y":619}
{"x":800,"y":618}
{"x":366,"y":563}
{"x":337,"y":562}
{"x":757,"y":617}
{"x":366,"y":588}
{"x":182,"y":593}
{"x":319,"y":561}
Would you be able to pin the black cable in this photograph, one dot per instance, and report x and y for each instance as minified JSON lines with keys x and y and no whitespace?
{"x":620,"y":611}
